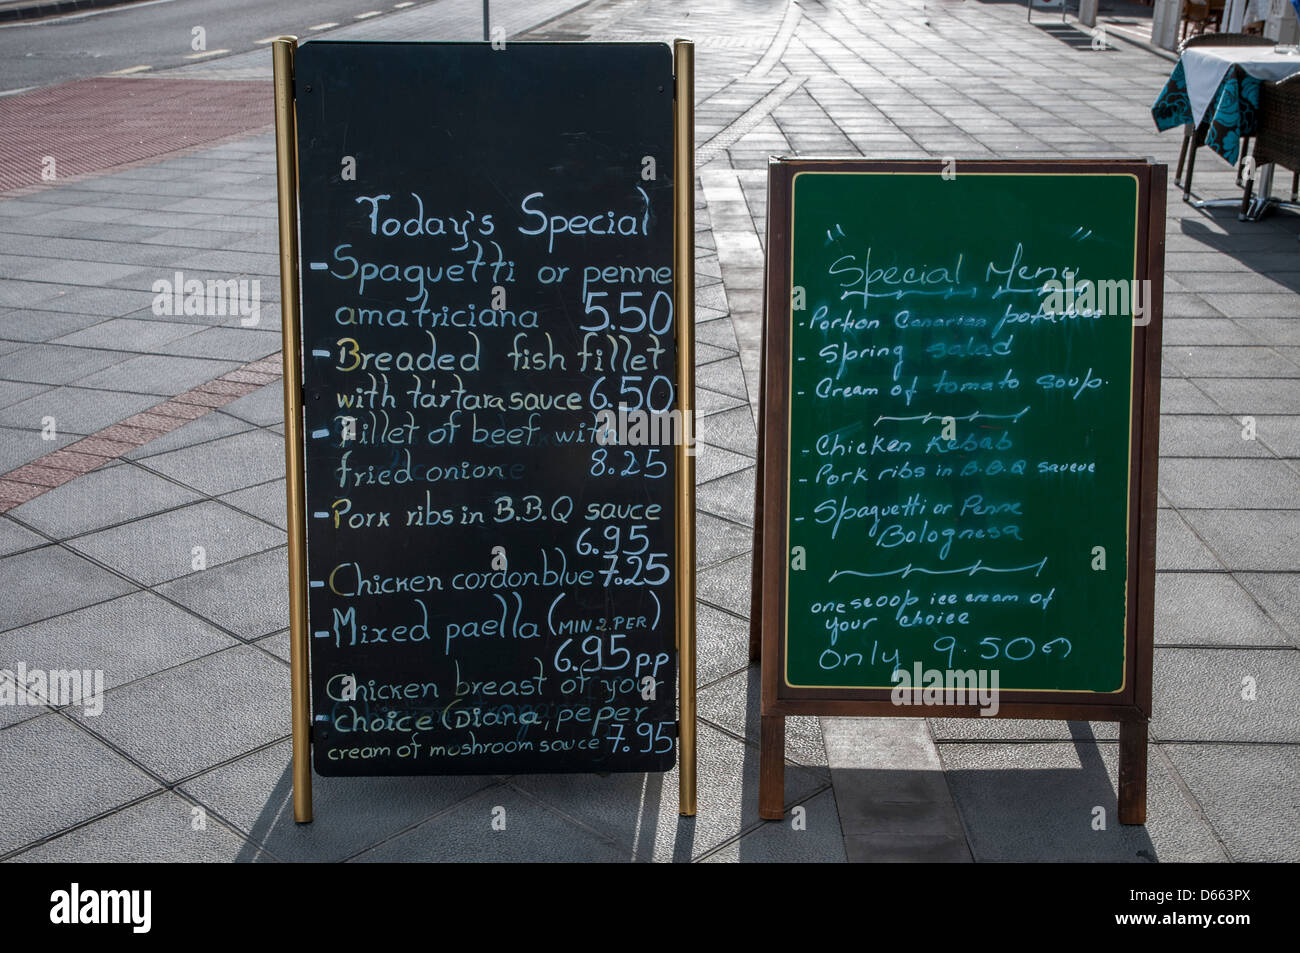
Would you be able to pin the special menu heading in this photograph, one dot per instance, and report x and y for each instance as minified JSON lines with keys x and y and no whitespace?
{"x":487,"y":288}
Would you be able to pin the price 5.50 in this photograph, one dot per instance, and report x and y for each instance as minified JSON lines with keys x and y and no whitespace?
{"x":634,"y":314}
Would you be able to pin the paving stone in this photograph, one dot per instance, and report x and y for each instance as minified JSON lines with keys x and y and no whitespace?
{"x":45,"y":582}
{"x":1021,"y":729}
{"x":227,"y":344}
{"x":189,"y":718}
{"x":21,"y":446}
{"x":1272,"y":330}
{"x":249,"y":597}
{"x":906,"y":848}
{"x":124,"y":334}
{"x":155,"y":374}
{"x":641,"y":809}
{"x":52,"y":364}
{"x":57,"y":776}
{"x":1194,"y":331}
{"x":732,"y":430}
{"x":722,"y":644}
{"x":35,"y":326}
{"x":532,"y":833}
{"x":718,"y":540}
{"x":717,"y":333}
{"x":1250,"y":539}
{"x":263,"y":407}
{"x":104,"y":497}
{"x":76,"y":410}
{"x":211,"y":426}
{"x":1209,"y":483}
{"x":709,"y":402}
{"x":713,"y":462}
{"x":125,"y":638}
{"x":730,"y":497}
{"x":11,"y":715}
{"x":207,"y":466}
{"x":1197,"y":608}
{"x":1179,"y":547}
{"x":1205,"y":435}
{"x":1248,"y":794}
{"x":1230,"y":362}
{"x":15,"y":538}
{"x":160,"y":548}
{"x":733,"y":704}
{"x":276,"y":644}
{"x":255,"y":794}
{"x":160,"y":829}
{"x":1253,"y":395}
{"x":101,"y":302}
{"x":14,"y":391}
{"x":727,"y":585}
{"x":1279,"y":594}
{"x":1179,"y":396}
{"x":1198,"y":695}
{"x":266,"y":501}
{"x":724,"y":376}
{"x":778,"y":842}
{"x":1036,"y":801}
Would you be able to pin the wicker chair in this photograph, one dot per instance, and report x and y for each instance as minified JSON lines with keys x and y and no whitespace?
{"x":1277,"y":136}
{"x":1194,"y":136}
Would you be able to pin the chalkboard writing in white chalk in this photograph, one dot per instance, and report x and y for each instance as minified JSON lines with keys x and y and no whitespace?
{"x":487,"y":290}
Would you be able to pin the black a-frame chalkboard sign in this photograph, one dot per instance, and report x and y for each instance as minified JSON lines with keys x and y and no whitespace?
{"x":492,"y":563}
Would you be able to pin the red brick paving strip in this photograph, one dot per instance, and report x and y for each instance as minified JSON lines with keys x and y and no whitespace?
{"x":97,"y":124}
{"x":61,"y":466}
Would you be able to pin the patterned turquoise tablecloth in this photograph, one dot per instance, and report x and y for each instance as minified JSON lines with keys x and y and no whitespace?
{"x":1232,"y":113}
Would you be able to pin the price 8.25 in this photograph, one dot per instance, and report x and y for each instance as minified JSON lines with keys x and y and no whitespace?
{"x":619,"y":461}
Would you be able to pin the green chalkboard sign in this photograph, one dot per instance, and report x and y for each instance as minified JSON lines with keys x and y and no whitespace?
{"x":961,"y":451}
{"x":959,"y":423}
{"x":956,"y":501}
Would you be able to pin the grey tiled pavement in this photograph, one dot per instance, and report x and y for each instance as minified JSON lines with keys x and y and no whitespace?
{"x":97,"y":573}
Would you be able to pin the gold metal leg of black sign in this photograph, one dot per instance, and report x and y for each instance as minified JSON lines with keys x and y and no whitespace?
{"x":286,"y":166}
{"x":684,"y":290}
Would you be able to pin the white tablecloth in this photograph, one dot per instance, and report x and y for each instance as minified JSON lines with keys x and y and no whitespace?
{"x":1205,"y":66}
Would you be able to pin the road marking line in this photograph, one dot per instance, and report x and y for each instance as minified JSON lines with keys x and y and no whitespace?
{"x":322,"y":26}
{"x":204,"y":53}
{"x":129,"y":70}
{"x":269,"y":39}
{"x":367,"y":15}
{"x":401,"y":6}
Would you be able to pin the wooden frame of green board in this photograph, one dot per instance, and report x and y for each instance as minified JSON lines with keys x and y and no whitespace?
{"x":1130,"y":705}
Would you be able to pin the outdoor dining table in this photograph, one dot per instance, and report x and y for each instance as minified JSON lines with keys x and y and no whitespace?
{"x":1218,"y":87}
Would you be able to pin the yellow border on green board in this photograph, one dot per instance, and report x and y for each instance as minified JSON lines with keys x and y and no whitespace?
{"x":1128,"y":501}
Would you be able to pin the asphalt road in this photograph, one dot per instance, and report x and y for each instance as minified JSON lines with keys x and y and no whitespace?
{"x":160,"y":34}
